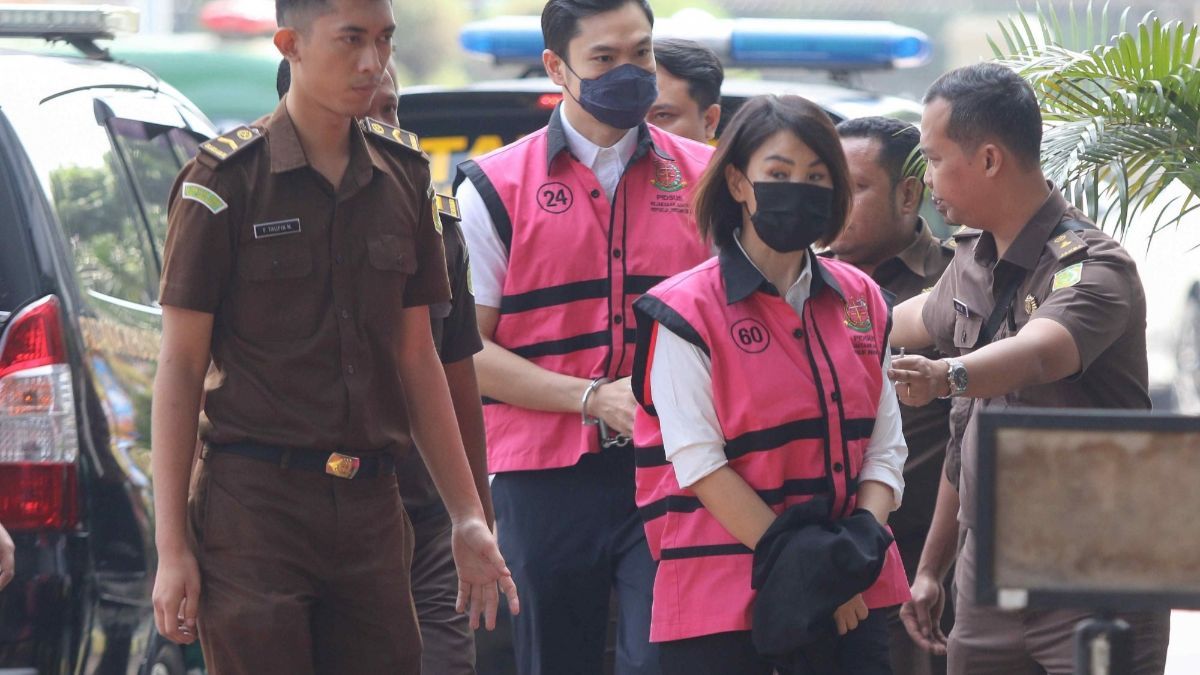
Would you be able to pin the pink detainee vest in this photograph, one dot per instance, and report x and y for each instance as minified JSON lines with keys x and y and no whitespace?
{"x":576,"y":263}
{"x":796,"y":399}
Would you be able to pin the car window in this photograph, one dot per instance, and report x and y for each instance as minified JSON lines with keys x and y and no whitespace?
{"x":91,"y":192}
{"x":154,"y":155}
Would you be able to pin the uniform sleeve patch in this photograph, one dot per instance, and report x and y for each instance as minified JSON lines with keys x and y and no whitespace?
{"x":198,"y":193}
{"x":1067,"y":276}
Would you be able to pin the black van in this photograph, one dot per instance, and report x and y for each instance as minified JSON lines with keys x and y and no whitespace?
{"x":88,"y":152}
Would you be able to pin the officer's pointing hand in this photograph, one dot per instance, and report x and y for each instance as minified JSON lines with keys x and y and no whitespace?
{"x":614,"y":403}
{"x":480,"y":569}
{"x":918,"y":380}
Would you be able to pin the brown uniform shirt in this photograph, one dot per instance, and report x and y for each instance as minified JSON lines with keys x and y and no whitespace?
{"x":1082,"y":280}
{"x":306,"y":283}
{"x":926,"y":429}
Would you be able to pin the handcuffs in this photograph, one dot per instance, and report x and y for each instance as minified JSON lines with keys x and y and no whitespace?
{"x":608,"y":439}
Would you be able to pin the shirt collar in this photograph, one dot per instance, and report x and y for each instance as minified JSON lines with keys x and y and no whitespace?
{"x":742,"y":277}
{"x":1026,"y":249}
{"x":919,"y":256}
{"x":287,"y":153}
{"x":560,"y":136}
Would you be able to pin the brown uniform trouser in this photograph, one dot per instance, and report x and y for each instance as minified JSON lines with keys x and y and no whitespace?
{"x":446,"y":636}
{"x":302,"y":573}
{"x":987,"y":641}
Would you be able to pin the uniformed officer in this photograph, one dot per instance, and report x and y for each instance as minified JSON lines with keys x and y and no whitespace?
{"x":887,"y":238}
{"x":689,"y":89}
{"x":567,"y":227}
{"x":1039,"y":309}
{"x":301,"y":256}
{"x":447,"y":640}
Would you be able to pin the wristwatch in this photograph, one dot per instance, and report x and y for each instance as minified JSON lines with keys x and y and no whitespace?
{"x":956,"y":377}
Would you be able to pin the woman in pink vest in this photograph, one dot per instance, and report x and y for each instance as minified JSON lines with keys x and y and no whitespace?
{"x":761,"y":379}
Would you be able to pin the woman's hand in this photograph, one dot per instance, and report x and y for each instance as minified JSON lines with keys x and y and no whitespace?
{"x":850,"y":614}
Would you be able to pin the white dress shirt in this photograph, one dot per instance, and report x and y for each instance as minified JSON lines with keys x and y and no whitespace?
{"x":681,"y":379}
{"x":489,"y":259}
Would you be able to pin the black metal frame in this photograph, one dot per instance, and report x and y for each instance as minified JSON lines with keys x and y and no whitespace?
{"x":991,"y":422}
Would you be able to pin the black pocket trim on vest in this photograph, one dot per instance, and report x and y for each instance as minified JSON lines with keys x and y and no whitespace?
{"x":774,"y":437}
{"x":593,"y":289}
{"x":564,"y":346}
{"x":685,"y":504}
{"x":858,"y":428}
{"x":704,"y":551}
{"x":639,"y":284}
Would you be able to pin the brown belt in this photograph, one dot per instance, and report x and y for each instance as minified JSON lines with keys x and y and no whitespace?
{"x":334,"y":463}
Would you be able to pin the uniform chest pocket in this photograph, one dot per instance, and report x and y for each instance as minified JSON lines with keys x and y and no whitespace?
{"x":275,"y":260}
{"x":276,"y":299}
{"x":392,"y":253}
{"x":966,"y":331}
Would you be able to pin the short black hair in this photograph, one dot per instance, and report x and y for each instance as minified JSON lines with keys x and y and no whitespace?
{"x":988,"y":100}
{"x":283,"y":78}
{"x":717,"y":214}
{"x":695,"y":63}
{"x":286,"y":10}
{"x":898,"y":140}
{"x":560,"y":19}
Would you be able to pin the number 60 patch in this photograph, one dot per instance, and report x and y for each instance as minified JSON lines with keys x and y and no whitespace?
{"x":750,"y":336}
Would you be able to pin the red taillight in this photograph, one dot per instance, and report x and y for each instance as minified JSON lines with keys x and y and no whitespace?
{"x":34,"y":339}
{"x":38,"y":496}
{"x":38,"y":441}
{"x":548,"y":101}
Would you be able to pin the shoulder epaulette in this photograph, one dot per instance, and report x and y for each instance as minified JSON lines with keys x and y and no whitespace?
{"x":220,"y":148}
{"x":448,"y":207}
{"x":405,"y":139}
{"x":1066,"y":244}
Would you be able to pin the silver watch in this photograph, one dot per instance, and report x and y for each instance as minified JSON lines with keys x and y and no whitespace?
{"x":956,"y":377}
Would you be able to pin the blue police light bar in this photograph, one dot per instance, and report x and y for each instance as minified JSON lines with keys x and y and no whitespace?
{"x":507,"y":39}
{"x":785,"y":43}
{"x":830,"y":45}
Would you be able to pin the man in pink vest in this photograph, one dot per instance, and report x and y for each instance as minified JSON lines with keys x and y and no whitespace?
{"x":567,"y":227}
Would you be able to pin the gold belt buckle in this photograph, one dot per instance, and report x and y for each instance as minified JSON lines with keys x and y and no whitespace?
{"x":342,"y":466}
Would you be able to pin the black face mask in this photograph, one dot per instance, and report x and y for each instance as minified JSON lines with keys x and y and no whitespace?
{"x":791,"y":216}
{"x":619,"y":98}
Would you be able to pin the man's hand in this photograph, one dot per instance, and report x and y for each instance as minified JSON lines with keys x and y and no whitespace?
{"x":919,"y":380}
{"x":177,"y":596}
{"x":8,"y":557}
{"x":922,"y":616}
{"x":848,"y":615}
{"x":480,"y":567}
{"x":614,"y":403}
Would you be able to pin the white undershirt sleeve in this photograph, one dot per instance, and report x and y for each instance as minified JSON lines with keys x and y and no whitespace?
{"x":887,"y":451}
{"x":489,"y":259}
{"x":681,"y":386}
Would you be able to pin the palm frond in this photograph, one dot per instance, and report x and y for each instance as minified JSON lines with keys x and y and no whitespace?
{"x":1122,"y":108}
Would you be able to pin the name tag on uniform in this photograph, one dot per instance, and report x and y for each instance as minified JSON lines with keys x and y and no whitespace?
{"x":961,"y":308}
{"x":277,"y":228}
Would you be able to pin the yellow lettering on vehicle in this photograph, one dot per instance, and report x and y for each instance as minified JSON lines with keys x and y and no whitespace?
{"x":441,"y":151}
